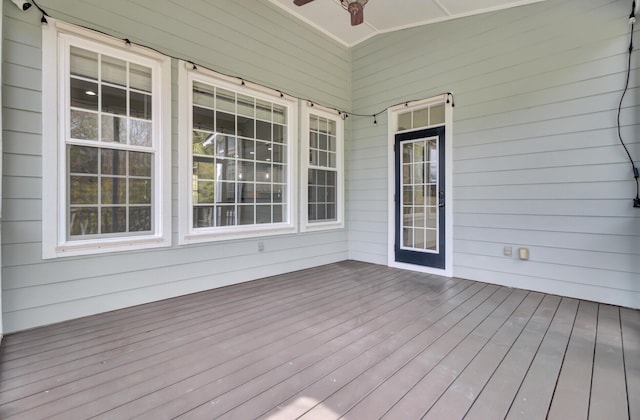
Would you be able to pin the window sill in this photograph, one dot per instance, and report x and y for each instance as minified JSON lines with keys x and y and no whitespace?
{"x":319,"y":226}
{"x":71,"y":249}
{"x":226,"y":234}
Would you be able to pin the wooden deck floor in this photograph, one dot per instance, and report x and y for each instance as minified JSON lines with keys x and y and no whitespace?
{"x":349,"y":339}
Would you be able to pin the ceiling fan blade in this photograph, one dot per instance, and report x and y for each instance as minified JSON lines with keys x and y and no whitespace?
{"x":357,"y":13}
{"x":301,"y":2}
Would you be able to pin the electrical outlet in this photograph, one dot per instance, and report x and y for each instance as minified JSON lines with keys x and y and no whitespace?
{"x":260,"y":246}
{"x":523,"y":253}
{"x":508,"y":251}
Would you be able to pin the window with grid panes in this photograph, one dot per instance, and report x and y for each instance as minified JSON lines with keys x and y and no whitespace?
{"x":110,"y":154}
{"x":323,"y":146}
{"x":109,"y":148}
{"x":239,"y":159}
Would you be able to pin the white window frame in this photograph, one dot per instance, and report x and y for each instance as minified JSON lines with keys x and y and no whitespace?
{"x":309,"y":109}
{"x":56,"y":40}
{"x":392,"y":127}
{"x":187,"y":74}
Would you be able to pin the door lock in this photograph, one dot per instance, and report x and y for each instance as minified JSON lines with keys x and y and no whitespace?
{"x":441,"y":199}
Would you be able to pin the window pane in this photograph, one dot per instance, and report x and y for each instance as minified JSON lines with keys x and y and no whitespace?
{"x":84,"y":94}
{"x":203,"y":143}
{"x":113,"y":190}
{"x":140,"y":219}
{"x":203,"y":216}
{"x":114,"y":70}
{"x":225,"y":146}
{"x":203,"y":95}
{"x":279,"y":133}
{"x":246,"y":106}
{"x":321,"y":210}
{"x":140,"y":77}
{"x":263,"y":214}
{"x":323,"y":159}
{"x":431,"y":239}
{"x":437,"y":115}
{"x":278,"y":193}
{"x":83,"y":160}
{"x":204,"y":169}
{"x":225,"y":100}
{"x":246,"y":149}
{"x":84,"y":125}
{"x":407,"y":239}
{"x":332,"y":160}
{"x":203,"y":119}
{"x":278,"y":154}
{"x":263,"y":110}
{"x":141,"y":132}
{"x":245,"y":215}
{"x":83,"y":221}
{"x":263,"y":193}
{"x":226,"y":192}
{"x":331,"y":178}
{"x":84,"y":63}
{"x":113,"y":162}
{"x":226,"y":170}
{"x":263,"y":172}
{"x":421,"y":118}
{"x":225,"y":216}
{"x":278,"y":174}
{"x":83,"y":190}
{"x":246,"y":193}
{"x":140,"y":105}
{"x":404,"y":121}
{"x":331,"y":212}
{"x":263,"y":151}
{"x":114,"y":129}
{"x":205,"y":192}
{"x":245,"y":171}
{"x":246,"y":126}
{"x":139,"y":191}
{"x":114,"y":100}
{"x":322,"y":142}
{"x":279,"y":114}
{"x":225,"y":123}
{"x":140,"y":164}
{"x":263,"y":130}
{"x":278,"y":214}
{"x":114,"y":219}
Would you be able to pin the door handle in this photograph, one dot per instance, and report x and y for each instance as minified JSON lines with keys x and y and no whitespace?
{"x":441,"y":199}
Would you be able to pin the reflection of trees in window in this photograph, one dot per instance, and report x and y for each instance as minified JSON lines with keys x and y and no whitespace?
{"x":243,"y":140}
{"x":109,"y":189}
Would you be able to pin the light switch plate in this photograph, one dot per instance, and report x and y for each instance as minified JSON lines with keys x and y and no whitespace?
{"x":523,"y":253}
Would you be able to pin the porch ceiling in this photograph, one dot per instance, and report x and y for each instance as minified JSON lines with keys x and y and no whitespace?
{"x":388,"y":15}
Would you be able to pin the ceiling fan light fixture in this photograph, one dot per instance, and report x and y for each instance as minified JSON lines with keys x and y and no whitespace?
{"x":355,"y":9}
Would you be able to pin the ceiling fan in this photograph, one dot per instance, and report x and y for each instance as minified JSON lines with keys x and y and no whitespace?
{"x":354,"y":7}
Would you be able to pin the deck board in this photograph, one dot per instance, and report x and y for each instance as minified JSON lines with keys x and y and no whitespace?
{"x":458,"y":398}
{"x":608,"y":384}
{"x":536,"y":391}
{"x":630,"y":321}
{"x":347,"y":339}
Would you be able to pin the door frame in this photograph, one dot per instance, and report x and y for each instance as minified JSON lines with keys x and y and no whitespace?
{"x":392,"y":129}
